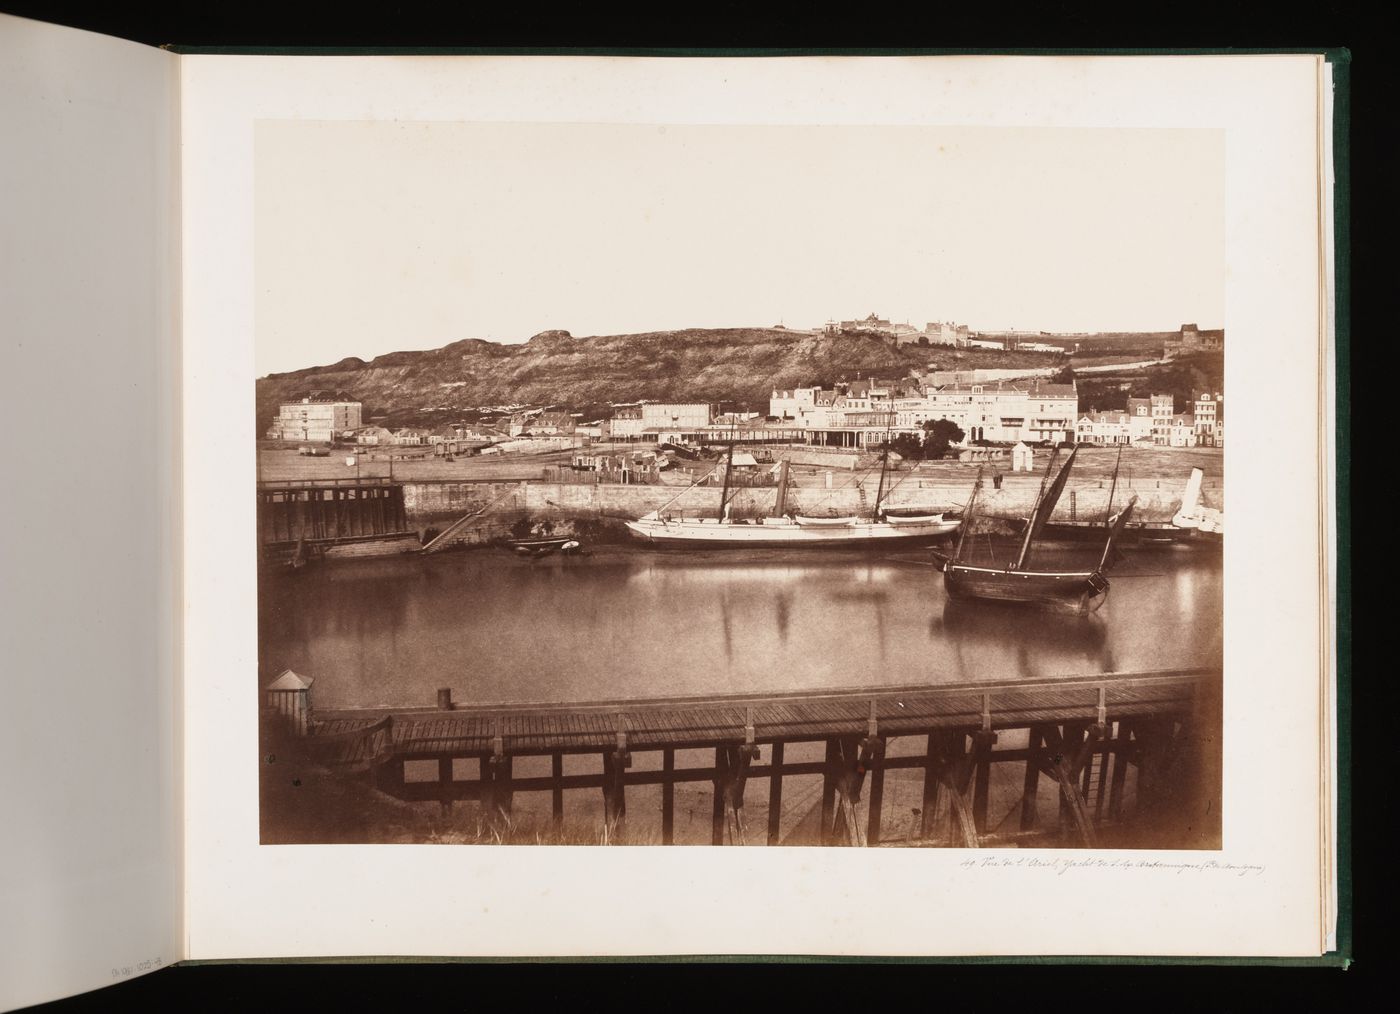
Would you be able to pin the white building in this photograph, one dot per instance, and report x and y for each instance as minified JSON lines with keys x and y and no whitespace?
{"x":792,"y":404}
{"x":681,"y":416}
{"x":1163,"y":410}
{"x":946,"y":333}
{"x":315,"y":419}
{"x":626,"y":423}
{"x":1002,"y":412}
{"x":1113,"y":427}
{"x":1182,"y":431}
{"x":1210,"y":419}
{"x":1139,"y":419}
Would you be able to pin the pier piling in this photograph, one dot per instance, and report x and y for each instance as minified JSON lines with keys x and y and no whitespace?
{"x":1114,"y":745}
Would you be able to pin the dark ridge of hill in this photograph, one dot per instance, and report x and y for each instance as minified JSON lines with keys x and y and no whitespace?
{"x":734,"y":366}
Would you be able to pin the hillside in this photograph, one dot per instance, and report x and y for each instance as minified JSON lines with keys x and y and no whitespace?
{"x":731,"y":365}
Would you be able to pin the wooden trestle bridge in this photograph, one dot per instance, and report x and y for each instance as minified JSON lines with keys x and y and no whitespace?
{"x":1086,"y":734}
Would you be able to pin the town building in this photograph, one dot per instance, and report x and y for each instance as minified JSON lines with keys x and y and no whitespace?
{"x":1110,"y":427}
{"x":1163,"y":409}
{"x":1182,"y":431}
{"x":1210,"y":419}
{"x":792,"y":403}
{"x":315,"y":419}
{"x":1140,"y":419}
{"x":374,"y":436}
{"x":1002,"y":412}
{"x":683,"y":416}
{"x":550,"y":424}
{"x":863,"y":395}
{"x":625,"y":424}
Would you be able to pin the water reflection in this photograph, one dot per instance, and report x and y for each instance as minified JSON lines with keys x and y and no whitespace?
{"x":626,"y":622}
{"x":783,"y":606}
{"x":1031,"y":644}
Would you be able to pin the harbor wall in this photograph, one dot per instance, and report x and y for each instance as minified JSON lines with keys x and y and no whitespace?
{"x":435,"y":505}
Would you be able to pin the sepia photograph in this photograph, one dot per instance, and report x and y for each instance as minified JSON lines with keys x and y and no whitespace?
{"x":743,"y":485}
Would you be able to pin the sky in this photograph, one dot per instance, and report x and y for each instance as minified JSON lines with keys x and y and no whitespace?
{"x":379,"y":236}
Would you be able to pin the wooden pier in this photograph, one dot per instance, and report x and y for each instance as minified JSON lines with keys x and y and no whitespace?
{"x":1085,"y":734}
{"x":346,"y":517}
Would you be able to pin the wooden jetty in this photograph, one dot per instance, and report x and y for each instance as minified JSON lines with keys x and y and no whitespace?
{"x":299,"y":519}
{"x":1083,"y":733}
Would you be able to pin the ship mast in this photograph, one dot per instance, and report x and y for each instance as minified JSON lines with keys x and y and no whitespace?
{"x":967,"y":516}
{"x":782,"y":487}
{"x":884,"y":463}
{"x":728,"y":468}
{"x":1112,"y":488}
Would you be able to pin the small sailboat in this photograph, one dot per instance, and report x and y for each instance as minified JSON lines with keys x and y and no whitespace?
{"x":1078,"y":591}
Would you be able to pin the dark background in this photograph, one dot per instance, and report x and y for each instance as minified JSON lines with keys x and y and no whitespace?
{"x":994,"y":27}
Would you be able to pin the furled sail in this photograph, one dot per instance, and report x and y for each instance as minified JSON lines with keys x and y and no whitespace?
{"x":1044,"y":508}
{"x":1116,"y":530}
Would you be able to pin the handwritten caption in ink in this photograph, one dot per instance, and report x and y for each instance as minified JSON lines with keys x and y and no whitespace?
{"x":1060,"y":866}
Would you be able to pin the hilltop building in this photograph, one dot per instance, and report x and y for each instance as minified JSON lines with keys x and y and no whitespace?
{"x":947,"y":333}
{"x":1190,"y":339}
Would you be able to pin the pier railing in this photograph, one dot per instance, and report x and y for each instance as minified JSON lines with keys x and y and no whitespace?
{"x":1100,"y":741}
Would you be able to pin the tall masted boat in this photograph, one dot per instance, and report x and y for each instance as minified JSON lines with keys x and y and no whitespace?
{"x":790,"y":531}
{"x":1078,"y":591}
{"x":1192,"y":525}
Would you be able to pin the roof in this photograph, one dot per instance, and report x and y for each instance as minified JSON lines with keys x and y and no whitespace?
{"x":1042,"y":389}
{"x":1035,"y":389}
{"x":1112,"y":415}
{"x":291,"y":681}
{"x":744,"y":458}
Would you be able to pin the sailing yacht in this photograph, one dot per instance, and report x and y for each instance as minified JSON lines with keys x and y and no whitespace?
{"x":1079,"y":591}
{"x":782,"y":530}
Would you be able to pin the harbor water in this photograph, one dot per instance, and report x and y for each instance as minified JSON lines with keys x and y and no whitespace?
{"x":622,"y":622}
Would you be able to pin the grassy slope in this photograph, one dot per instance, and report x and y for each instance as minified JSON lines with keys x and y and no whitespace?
{"x":731,"y":365}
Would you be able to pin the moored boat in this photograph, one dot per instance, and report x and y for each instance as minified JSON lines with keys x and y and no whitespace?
{"x":1076,"y":590}
{"x":544,"y":545}
{"x":793,"y":531}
